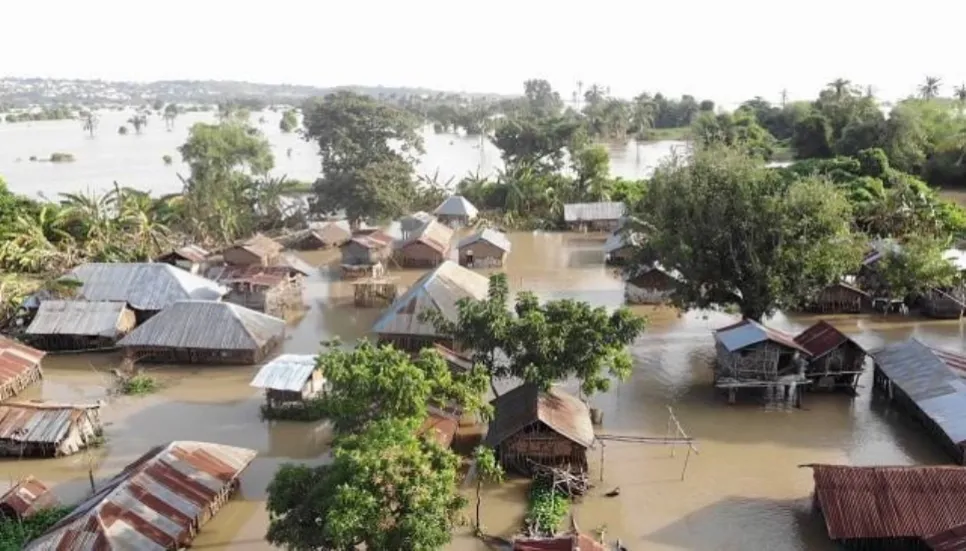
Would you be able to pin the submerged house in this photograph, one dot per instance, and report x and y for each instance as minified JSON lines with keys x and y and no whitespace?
{"x":325,"y":235}
{"x":42,"y":429}
{"x":289,"y":378}
{"x":410,"y":224}
{"x":205,"y":332}
{"x":191,"y":258}
{"x":651,"y":285}
{"x":547,"y":428}
{"x":147,"y":288}
{"x":943,"y":304}
{"x":575,"y":541}
{"x":486,"y":248}
{"x":594,"y":216}
{"x":426,"y":247}
{"x":834,"y":360}
{"x":750,"y":355}
{"x":841,"y":298}
{"x":157,"y":503}
{"x":456,"y":212}
{"x":366,"y":255}
{"x":440,"y":426}
{"x":438,"y":290}
{"x":619,"y":249}
{"x":26,"y":498}
{"x":258,"y":249}
{"x":63,"y":325}
{"x":270,"y":289}
{"x":19,"y":367}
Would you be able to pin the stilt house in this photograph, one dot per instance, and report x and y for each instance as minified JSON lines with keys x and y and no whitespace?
{"x":258,"y":249}
{"x":62,"y":325}
{"x":289,"y":379}
{"x":191,"y":258}
{"x":429,"y":246}
{"x":834,"y":360}
{"x":751,"y":355}
{"x":366,"y":255}
{"x":19,"y":367}
{"x":270,"y":289}
{"x":484,"y":249}
{"x":651,"y":285}
{"x":42,"y":429}
{"x":619,"y":249}
{"x":841,"y":298}
{"x":594,"y":216}
{"x":26,"y":498}
{"x":456,"y":212}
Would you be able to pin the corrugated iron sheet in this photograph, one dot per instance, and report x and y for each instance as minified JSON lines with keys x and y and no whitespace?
{"x":748,"y":332}
{"x":261,"y":246}
{"x":822,"y":338}
{"x":16,"y":359}
{"x":525,"y":404}
{"x":145,"y":286}
{"x":77,"y":317}
{"x":414,"y":221}
{"x":594,"y":212}
{"x":953,"y":360}
{"x":259,"y":276}
{"x":439,"y":290}
{"x":37,"y":422}
{"x":575,"y":542}
{"x":26,"y":498}
{"x":953,"y":539}
{"x":493,"y":237}
{"x":295,"y":264}
{"x":457,"y":362}
{"x":456,"y":205}
{"x":432,"y":234}
{"x":191,"y":253}
{"x":153,"y":504}
{"x":206,"y":324}
{"x":890,"y":502}
{"x":286,"y":372}
{"x":441,"y":428}
{"x":377,"y":239}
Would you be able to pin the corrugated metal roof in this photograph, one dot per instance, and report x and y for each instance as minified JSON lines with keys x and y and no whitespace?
{"x":26,"y":498}
{"x":524,"y":405}
{"x":923,"y":376}
{"x":16,"y":359}
{"x":150,"y":286}
{"x":39,"y":422}
{"x":208,"y":325}
{"x":191,"y":253}
{"x":457,"y":362}
{"x":261,"y":246}
{"x":441,"y":428}
{"x":953,"y":539}
{"x":254,"y":274}
{"x":673,"y":274}
{"x":849,"y":287}
{"x":153,"y":504}
{"x":438,"y":290}
{"x":286,"y":372}
{"x":822,"y":338}
{"x":77,"y":317}
{"x":573,"y":542}
{"x":491,"y":236}
{"x":749,"y":332}
{"x":890,"y":502}
{"x":295,"y":263}
{"x":378,"y":239}
{"x":414,"y":221}
{"x":953,"y":360}
{"x":594,"y":212}
{"x":333,"y":232}
{"x":432,"y":234}
{"x":456,"y":205}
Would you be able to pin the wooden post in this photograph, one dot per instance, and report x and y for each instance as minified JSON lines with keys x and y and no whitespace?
{"x":602,"y":461}
{"x":686,"y":458}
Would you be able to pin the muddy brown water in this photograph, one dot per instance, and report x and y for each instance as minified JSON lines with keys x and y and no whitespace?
{"x":744,"y":491}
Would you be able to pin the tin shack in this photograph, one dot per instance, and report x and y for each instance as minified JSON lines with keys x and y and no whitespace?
{"x":426,"y":247}
{"x":750,"y":355}
{"x":191,"y":258}
{"x":257,"y":249}
{"x":26,"y":498}
{"x":42,"y":429}
{"x":835,"y":361}
{"x":270,"y":289}
{"x":323,"y":235}
{"x":19,"y":367}
{"x":75,"y":325}
{"x":366,"y":255}
{"x":289,"y":378}
{"x":456,"y":212}
{"x":486,"y":248}
{"x":651,"y":285}
{"x":595,"y":217}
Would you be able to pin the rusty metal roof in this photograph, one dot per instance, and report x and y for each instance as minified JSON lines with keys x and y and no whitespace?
{"x":261,"y":246}
{"x":191,"y":253}
{"x":260,"y":276}
{"x":572,"y":542}
{"x":749,"y":332}
{"x":890,"y":502}
{"x":822,"y":338}
{"x":16,"y":359}
{"x":525,"y":405}
{"x":153,"y":504}
{"x":432,"y":234}
{"x":39,"y":422}
{"x":953,"y":360}
{"x":377,"y":239}
{"x":441,"y":428}
{"x":26,"y":498}
{"x":953,"y":539}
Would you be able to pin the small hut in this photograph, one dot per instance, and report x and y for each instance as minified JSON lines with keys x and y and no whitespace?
{"x":205,"y":332}
{"x":750,"y":355}
{"x":651,"y":285}
{"x":191,"y":258}
{"x":73,"y":325}
{"x":940,"y":304}
{"x":19,"y":367}
{"x":551,"y":429}
{"x":438,"y":290}
{"x":411,"y":223}
{"x":575,"y":541}
{"x":325,"y":235}
{"x":429,"y":246}
{"x":841,"y":298}
{"x":619,"y":249}
{"x":258,"y":249}
{"x":41,"y":429}
{"x":594,"y":216}
{"x":270,"y":289}
{"x":835,"y":360}
{"x":486,"y":248}
{"x":440,"y":426}
{"x":159,"y":502}
{"x":374,"y":291}
{"x":26,"y":498}
{"x":366,"y":255}
{"x":456,"y":212}
{"x":289,"y":379}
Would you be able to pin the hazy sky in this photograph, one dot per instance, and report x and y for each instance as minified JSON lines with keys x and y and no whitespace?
{"x":725,"y":50}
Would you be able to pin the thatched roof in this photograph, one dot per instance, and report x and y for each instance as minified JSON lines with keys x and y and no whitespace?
{"x":206,"y":325}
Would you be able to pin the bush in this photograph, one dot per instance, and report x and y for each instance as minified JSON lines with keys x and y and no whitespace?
{"x":307,"y":411}
{"x":138,"y":385}
{"x":14,"y":533}
{"x":61,"y":158}
{"x":167,"y":160}
{"x":548,"y":508}
{"x":122,"y":130}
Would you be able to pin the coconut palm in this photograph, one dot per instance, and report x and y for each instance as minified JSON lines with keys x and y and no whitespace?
{"x":138,"y":121}
{"x":930,"y":88}
{"x":840,"y":87}
{"x":89,"y":120}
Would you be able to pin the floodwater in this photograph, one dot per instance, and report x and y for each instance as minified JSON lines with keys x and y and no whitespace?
{"x":744,"y":490}
{"x":136,"y":160}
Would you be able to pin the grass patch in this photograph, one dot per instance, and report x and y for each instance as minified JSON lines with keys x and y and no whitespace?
{"x":548,"y":508}
{"x":307,"y":412}
{"x":60,"y":157}
{"x":14,"y":533}
{"x":138,"y":385}
{"x":680,"y":133}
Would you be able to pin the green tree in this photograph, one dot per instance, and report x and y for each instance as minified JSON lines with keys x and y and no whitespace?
{"x":812,"y":137}
{"x":539,"y":143}
{"x":386,"y":490}
{"x":138,"y":121}
{"x":171,"y":112}
{"x":916,"y":267}
{"x":488,"y":469}
{"x":930,"y":88}
{"x":739,"y":130}
{"x":592,"y":166}
{"x":541,"y":99}
{"x":289,"y":121}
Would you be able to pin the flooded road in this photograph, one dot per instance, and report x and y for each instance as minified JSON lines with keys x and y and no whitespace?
{"x":744,"y":491}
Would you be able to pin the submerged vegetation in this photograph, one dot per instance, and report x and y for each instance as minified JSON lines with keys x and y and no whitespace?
{"x":15,"y":533}
{"x":137,"y":385}
{"x":547,"y":510}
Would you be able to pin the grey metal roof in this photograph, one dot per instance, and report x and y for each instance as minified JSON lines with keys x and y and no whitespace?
{"x":525,"y":404}
{"x":286,"y":372}
{"x":414,"y":221}
{"x":208,"y":325}
{"x":439,"y":290}
{"x":457,"y":205}
{"x":145,"y":286}
{"x":748,"y":332}
{"x":38,"y":422}
{"x":493,"y":237}
{"x":77,"y":317}
{"x":928,"y":381}
{"x":592,"y":212}
{"x":296,"y":263}
{"x":432,"y":234}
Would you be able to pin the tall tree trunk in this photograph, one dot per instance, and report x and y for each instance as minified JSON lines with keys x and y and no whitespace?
{"x":479,"y":501}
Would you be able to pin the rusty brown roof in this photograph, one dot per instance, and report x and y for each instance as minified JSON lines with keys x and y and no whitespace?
{"x":953,"y":539}
{"x":432,"y":234}
{"x":440,"y":427}
{"x":16,"y":359}
{"x":39,"y":422}
{"x":953,"y":360}
{"x":572,"y":542}
{"x":890,"y":502}
{"x":525,"y":405}
{"x":822,"y":338}
{"x":154,"y":503}
{"x":26,"y":498}
{"x":191,"y":253}
{"x":261,"y":246}
{"x":376,"y":239}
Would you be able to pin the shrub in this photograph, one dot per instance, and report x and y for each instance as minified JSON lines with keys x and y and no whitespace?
{"x":138,"y":385}
{"x":61,"y":158}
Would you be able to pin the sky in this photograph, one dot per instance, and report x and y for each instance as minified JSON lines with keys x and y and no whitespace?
{"x":724,"y":50}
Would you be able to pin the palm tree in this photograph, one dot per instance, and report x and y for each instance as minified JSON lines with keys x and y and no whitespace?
{"x":89,"y":120}
{"x":138,"y":121}
{"x":840,"y":87}
{"x":642,"y":119}
{"x":170,"y":114}
{"x":784,"y":96}
{"x":930,"y":88}
{"x":961,"y":93}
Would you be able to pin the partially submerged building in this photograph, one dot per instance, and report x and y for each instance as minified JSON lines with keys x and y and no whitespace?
{"x":943,"y":304}
{"x":841,"y":298}
{"x":205,"y":332}
{"x":486,"y":248}
{"x":26,"y":498}
{"x":651,"y":285}
{"x":594,"y":216}
{"x":258,"y":249}
{"x":289,"y":379}
{"x":439,"y":291}
{"x":750,"y":355}
{"x":834,"y":360}
{"x":620,"y":248}
{"x":42,"y":429}
{"x":157,"y":503}
{"x":456,"y":212}
{"x":551,"y":429}
{"x":147,"y":288}
{"x":426,"y":247}
{"x":74,"y":325}
{"x":270,"y":289}
{"x":366,"y":255}
{"x":19,"y":367}
{"x":410,"y":224}
{"x":323,"y":235}
{"x":440,"y":427}
{"x":575,"y":541}
{"x":889,"y":507}
{"x":191,"y":258}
